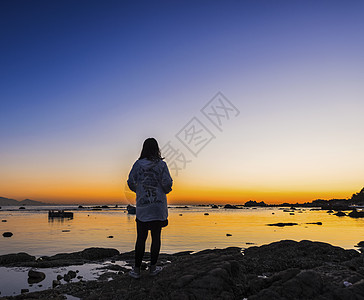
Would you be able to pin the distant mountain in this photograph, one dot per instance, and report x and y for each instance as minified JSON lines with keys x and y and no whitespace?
{"x":25,"y":202}
{"x":7,"y":201}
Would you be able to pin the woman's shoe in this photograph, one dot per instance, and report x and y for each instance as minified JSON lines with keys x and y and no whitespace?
{"x":135,"y":273}
{"x":154,"y":270}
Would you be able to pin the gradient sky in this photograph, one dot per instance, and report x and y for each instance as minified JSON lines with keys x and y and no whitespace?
{"x":83,"y":83}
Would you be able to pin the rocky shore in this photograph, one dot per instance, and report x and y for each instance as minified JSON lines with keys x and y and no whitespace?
{"x":280,"y":270}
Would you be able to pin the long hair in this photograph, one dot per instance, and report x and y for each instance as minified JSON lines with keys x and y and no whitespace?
{"x":151,"y":150}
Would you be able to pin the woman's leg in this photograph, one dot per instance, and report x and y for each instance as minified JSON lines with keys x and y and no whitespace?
{"x":156,"y":244}
{"x":142,"y":234}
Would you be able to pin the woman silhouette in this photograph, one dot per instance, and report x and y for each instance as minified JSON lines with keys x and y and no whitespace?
{"x":149,"y":178}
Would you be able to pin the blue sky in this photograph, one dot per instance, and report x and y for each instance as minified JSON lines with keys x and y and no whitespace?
{"x":83,"y":83}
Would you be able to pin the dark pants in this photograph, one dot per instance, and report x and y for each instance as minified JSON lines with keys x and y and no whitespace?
{"x":155,"y":228}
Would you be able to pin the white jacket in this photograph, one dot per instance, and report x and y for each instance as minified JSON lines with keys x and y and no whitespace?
{"x":151,"y":181}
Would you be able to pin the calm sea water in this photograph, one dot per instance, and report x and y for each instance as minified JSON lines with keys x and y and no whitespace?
{"x":189,"y":229}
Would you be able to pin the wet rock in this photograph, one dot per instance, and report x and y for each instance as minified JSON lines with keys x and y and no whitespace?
{"x":59,"y":277}
{"x":315,"y":223}
{"x":4,"y":221}
{"x":24,"y":291}
{"x":360,"y":244}
{"x":55,"y":283}
{"x":14,"y":258}
{"x":229,"y":206}
{"x":110,"y":237}
{"x":184,"y":280}
{"x":228,"y":234}
{"x":214,"y":206}
{"x":220,"y":272}
{"x":340,"y":214}
{"x":356,"y":214}
{"x":281,"y":270}
{"x":206,"y":214}
{"x":282,"y":224}
{"x":35,"y":276}
{"x":72,"y":274}
{"x":7,"y":234}
{"x":330,"y":211}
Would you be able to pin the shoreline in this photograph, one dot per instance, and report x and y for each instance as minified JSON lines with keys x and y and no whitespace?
{"x":283,"y":269}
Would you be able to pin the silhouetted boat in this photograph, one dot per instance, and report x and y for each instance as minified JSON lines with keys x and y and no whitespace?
{"x":60,"y":214}
{"x":131,"y":209}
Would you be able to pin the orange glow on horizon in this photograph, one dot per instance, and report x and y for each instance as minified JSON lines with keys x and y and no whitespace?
{"x":115,"y":194}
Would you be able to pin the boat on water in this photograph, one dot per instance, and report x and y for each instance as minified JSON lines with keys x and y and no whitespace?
{"x":131,"y":209}
{"x":60,"y":214}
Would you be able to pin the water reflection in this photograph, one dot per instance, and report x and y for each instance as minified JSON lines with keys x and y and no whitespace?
{"x":188,"y":229}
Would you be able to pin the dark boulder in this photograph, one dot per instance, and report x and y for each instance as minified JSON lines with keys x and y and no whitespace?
{"x":35,"y":276}
{"x":72,"y":274}
{"x":356,"y":214}
{"x":286,"y":254}
{"x":9,"y":259}
{"x":360,"y":244}
{"x":7,"y":234}
{"x":340,"y":214}
{"x":229,"y":206}
{"x":282,"y":224}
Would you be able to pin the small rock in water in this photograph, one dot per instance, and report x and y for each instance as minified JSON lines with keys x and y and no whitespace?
{"x":66,"y":230}
{"x":24,"y":291}
{"x":72,"y":274}
{"x":3,"y":220}
{"x":315,"y":223}
{"x":7,"y":234}
{"x":282,"y":224}
{"x":180,"y":215}
{"x":291,"y":214}
{"x":35,"y":276}
{"x":360,"y":244}
{"x":228,"y":234}
{"x":340,"y":214}
{"x":110,"y":237}
{"x":55,"y":283}
{"x":59,"y":277}
{"x":206,"y":214}
{"x":67,"y":277}
{"x":356,"y":214}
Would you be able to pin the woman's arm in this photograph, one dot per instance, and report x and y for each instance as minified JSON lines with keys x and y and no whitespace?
{"x":133,"y":180}
{"x":166,"y":179}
